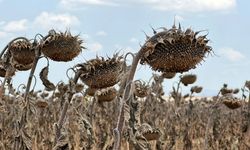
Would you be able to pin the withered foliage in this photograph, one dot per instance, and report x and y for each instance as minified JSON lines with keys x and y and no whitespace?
{"x":44,"y":77}
{"x":83,"y":116}
{"x":89,"y":123}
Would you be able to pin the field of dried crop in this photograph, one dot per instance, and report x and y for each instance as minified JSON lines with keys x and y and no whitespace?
{"x":102,"y":107}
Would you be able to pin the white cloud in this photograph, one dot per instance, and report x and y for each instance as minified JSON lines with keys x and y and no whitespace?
{"x":76,"y":3}
{"x":163,"y":5}
{"x":15,"y":26}
{"x":191,"y":5}
{"x":231,"y":54}
{"x":48,"y":20}
{"x":95,"y":47}
{"x":101,"y":33}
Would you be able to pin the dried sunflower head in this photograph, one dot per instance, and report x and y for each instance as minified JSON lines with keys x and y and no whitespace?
{"x":232,"y":104}
{"x":101,"y":73}
{"x":236,"y":91}
{"x":196,"y":89}
{"x":21,"y":67}
{"x":106,"y":95}
{"x":22,"y":54}
{"x":141,"y":88}
{"x":152,"y":135}
{"x":168,"y":75}
{"x":175,"y":50}
{"x":148,"y":132}
{"x":60,"y":46}
{"x":188,"y":79}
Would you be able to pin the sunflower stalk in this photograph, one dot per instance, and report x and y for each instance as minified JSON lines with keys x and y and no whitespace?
{"x":91,"y":108}
{"x":187,"y":140}
{"x":70,"y":93}
{"x":59,"y":125}
{"x":38,"y":54}
{"x":177,"y":98}
{"x":133,"y":108}
{"x":126,"y":95}
{"x":3,"y":84}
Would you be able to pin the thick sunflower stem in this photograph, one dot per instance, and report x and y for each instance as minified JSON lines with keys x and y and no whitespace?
{"x":2,"y":88}
{"x":60,"y":122}
{"x":121,"y":119}
{"x":38,"y":53}
{"x":59,"y":125}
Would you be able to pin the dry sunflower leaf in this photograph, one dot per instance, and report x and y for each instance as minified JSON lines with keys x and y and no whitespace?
{"x":44,"y":77}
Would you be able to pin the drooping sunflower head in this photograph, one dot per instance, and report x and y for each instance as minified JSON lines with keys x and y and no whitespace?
{"x":196,"y":89}
{"x":107,"y":94}
{"x":168,"y":75}
{"x":149,"y":132}
{"x":232,"y":104}
{"x":22,"y":54}
{"x":101,"y":73}
{"x":141,"y":88}
{"x":175,"y":50}
{"x":60,"y":46}
{"x":188,"y":79}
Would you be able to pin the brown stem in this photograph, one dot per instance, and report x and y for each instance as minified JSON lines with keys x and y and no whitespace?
{"x":64,"y":111}
{"x":121,"y":119}
{"x":178,"y":98}
{"x":2,"y":87}
{"x":208,"y":126}
{"x":190,"y":97}
{"x":38,"y":53}
{"x":91,"y":108}
{"x":61,"y":121}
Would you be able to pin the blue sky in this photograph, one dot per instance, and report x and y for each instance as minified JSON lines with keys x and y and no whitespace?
{"x":111,"y":25}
